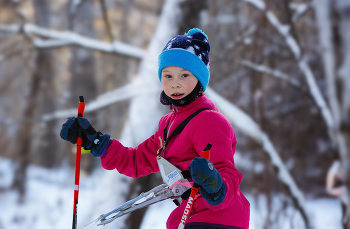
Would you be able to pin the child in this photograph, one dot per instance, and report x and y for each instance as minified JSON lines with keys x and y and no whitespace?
{"x":184,"y":74}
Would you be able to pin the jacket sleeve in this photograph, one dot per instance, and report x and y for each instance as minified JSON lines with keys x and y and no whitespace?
{"x":133,"y":162}
{"x":212,"y":127}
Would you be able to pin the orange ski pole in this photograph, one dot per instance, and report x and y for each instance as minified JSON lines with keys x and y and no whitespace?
{"x":194,"y":191}
{"x":81,"y":108}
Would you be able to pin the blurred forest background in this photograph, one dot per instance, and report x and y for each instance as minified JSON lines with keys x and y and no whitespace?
{"x":282,"y":64}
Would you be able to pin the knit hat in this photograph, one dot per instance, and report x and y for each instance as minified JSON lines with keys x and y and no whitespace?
{"x":189,"y":51}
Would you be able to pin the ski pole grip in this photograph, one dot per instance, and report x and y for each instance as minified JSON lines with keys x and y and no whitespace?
{"x":81,"y":106}
{"x":206,"y":152}
{"x":81,"y":109}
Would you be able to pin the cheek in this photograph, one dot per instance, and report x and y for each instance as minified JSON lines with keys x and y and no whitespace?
{"x":165,"y":86}
{"x":191,"y":85}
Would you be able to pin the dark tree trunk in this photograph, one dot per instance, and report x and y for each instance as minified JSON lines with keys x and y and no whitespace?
{"x":24,"y":133}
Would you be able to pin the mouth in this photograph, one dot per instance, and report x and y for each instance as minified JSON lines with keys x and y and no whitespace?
{"x":177,"y":95}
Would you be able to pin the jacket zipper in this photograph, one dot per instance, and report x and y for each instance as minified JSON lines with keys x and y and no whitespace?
{"x":174,"y":110}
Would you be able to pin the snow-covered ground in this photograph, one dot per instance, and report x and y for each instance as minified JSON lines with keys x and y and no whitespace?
{"x":49,"y":202}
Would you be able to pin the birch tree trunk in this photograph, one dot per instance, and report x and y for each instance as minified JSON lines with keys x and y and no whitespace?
{"x":46,"y":95}
{"x":145,"y":111}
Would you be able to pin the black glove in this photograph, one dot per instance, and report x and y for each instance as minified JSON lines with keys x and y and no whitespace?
{"x":92,"y":140}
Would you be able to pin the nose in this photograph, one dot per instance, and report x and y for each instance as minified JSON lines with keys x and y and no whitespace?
{"x":175,"y":84}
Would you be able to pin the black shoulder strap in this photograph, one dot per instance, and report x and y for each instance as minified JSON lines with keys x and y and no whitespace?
{"x":178,"y":129}
{"x":182,"y":125}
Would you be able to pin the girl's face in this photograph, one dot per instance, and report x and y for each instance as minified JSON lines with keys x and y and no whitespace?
{"x":177,"y":82}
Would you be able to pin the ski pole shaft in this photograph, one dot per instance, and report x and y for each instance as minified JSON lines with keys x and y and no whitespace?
{"x":81,"y":108}
{"x":194,"y":191}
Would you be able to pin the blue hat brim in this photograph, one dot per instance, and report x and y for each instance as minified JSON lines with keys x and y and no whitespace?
{"x":186,"y":60}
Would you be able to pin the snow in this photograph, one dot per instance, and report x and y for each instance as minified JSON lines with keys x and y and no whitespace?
{"x":324,"y":212}
{"x":49,"y":197}
{"x":6,"y":173}
{"x":49,"y":202}
{"x":157,"y":215}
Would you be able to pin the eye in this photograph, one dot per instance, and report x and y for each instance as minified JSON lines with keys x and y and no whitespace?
{"x":168,"y":76}
{"x":185,"y":75}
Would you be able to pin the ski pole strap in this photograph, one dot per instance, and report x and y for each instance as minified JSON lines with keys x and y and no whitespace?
{"x":186,"y":194}
{"x":186,"y":174}
{"x":178,"y":129}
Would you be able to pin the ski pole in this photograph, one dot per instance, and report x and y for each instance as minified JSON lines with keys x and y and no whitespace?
{"x":81,"y":108}
{"x":194,"y":191}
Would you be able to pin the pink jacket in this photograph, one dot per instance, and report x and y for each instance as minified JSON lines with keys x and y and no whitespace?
{"x":207,"y":127}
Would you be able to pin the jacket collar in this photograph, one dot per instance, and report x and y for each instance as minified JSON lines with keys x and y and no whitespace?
{"x":195,"y":103}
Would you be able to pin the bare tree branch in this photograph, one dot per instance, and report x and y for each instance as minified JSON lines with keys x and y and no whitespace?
{"x":67,"y":37}
{"x":51,"y":43}
{"x":257,"y":3}
{"x":22,"y":18}
{"x":273,"y":72}
{"x":241,"y":120}
{"x":284,"y":31}
{"x":332,"y":121}
{"x":106,"y":99}
{"x":299,"y":10}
